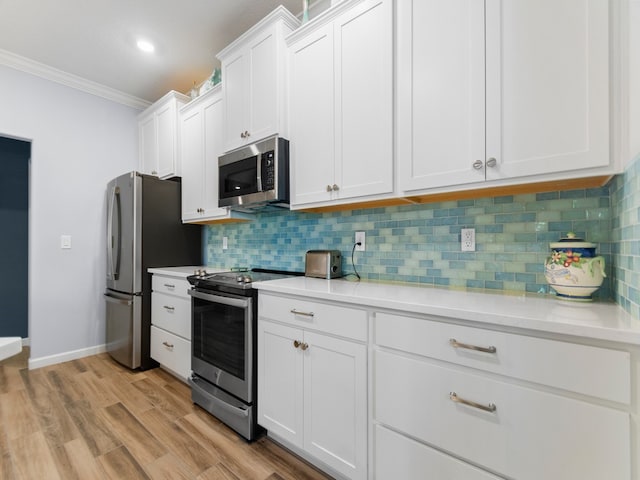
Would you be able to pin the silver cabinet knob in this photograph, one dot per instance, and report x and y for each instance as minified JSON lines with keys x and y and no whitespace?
{"x":296,"y":343}
{"x":335,"y":188}
{"x":491,"y":162}
{"x":246,"y":134}
{"x":329,"y":188}
{"x":242,"y":135}
{"x":478,"y":164}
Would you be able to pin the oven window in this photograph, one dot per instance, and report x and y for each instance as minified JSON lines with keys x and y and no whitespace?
{"x":239,"y":178}
{"x":219,"y":336}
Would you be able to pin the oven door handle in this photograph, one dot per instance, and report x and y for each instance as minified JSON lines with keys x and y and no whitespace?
{"x":232,"y":302}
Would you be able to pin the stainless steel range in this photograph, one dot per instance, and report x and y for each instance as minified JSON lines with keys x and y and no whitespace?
{"x":224,"y":346}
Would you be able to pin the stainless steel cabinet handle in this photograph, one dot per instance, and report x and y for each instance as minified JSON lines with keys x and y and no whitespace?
{"x":171,"y":309}
{"x":335,"y":188}
{"x":168,"y":285}
{"x":167,"y":344}
{"x":487,"y":408}
{"x":304,"y":314}
{"x":242,"y":135}
{"x":491,"y":162}
{"x":478,"y":164}
{"x":456,"y":344}
{"x":246,"y":134}
{"x":304,"y":346}
{"x":296,"y":343}
{"x":329,"y":188}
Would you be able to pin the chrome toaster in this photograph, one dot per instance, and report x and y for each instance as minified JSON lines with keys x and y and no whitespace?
{"x":323,"y":264}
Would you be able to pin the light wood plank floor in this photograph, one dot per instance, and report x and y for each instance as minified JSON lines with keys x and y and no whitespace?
{"x":94,"y":419}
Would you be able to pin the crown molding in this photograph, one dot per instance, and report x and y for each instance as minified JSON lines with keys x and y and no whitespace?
{"x":70,"y":80}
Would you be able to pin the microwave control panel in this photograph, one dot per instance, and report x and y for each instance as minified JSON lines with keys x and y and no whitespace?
{"x":268,"y":171}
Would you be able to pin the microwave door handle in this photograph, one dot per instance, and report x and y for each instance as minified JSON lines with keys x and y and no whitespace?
{"x":259,"y":172}
{"x":232,"y":302}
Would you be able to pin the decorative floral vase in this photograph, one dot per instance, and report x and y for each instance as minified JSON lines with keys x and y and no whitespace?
{"x":573,"y":270}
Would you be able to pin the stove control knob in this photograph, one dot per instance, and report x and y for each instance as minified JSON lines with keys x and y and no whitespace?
{"x":247,"y":279}
{"x":240,"y":278}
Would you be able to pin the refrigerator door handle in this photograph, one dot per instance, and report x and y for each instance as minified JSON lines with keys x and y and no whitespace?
{"x":112,"y":241}
{"x":121,"y":301}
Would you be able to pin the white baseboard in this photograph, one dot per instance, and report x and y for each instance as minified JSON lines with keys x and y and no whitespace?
{"x":65,"y":357}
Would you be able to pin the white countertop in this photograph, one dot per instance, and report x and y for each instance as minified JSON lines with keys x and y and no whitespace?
{"x":597,"y":320}
{"x":185,"y":271}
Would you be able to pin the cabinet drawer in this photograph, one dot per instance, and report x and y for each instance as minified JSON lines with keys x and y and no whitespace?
{"x":171,"y":313}
{"x":170,"y":285}
{"x":530,"y":435}
{"x":397,"y":456}
{"x":600,"y":372}
{"x":336,"y":320}
{"x":171,"y":351}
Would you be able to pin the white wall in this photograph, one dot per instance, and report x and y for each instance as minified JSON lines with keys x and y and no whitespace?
{"x":79,"y":142}
{"x":634,"y":78}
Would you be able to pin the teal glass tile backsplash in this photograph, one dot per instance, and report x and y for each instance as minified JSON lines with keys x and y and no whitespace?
{"x":421,"y":243}
{"x":625,"y":199}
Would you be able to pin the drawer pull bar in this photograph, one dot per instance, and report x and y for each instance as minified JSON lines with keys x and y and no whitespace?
{"x":456,"y":344}
{"x":167,"y":344}
{"x":304,"y":314}
{"x":167,"y":307}
{"x":168,"y":285}
{"x":487,"y":408}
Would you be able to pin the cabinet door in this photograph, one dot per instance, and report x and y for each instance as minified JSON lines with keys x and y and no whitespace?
{"x":335,"y":403}
{"x":364,"y":100}
{"x":280,"y":381}
{"x":262,"y":69}
{"x":547,"y":86}
{"x":234,"y":73}
{"x":192,"y":153}
{"x":148,"y":146}
{"x":440,"y":92}
{"x":212,"y":125}
{"x":167,"y":141}
{"x":311,"y":100}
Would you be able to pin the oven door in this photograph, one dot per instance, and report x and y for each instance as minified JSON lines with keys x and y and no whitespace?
{"x":222,"y":341}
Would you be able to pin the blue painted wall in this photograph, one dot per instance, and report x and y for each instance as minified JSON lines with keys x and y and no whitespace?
{"x":14,"y":241}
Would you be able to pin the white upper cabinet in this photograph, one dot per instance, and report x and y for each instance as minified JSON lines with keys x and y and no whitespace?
{"x":341,"y":104}
{"x":254,"y":81}
{"x":159,"y":138}
{"x":201,"y":130}
{"x":201,"y":124}
{"x":502,"y":90}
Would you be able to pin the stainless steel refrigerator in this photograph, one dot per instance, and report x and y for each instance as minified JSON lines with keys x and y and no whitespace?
{"x":144,"y":229}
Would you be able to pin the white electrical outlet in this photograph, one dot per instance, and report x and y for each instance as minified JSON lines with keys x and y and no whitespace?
{"x":360,"y":237}
{"x":225,"y":243}
{"x":468,"y":239}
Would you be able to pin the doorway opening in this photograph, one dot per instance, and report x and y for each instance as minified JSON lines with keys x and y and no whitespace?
{"x":15,"y":157}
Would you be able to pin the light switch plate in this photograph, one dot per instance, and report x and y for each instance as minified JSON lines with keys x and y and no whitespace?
{"x":65,"y":241}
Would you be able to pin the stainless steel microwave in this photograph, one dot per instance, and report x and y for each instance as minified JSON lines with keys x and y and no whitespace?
{"x":255,"y":176}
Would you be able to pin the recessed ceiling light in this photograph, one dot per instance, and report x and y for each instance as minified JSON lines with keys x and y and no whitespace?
{"x":145,"y":46}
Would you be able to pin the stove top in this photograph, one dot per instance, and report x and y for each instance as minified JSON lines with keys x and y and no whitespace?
{"x":239,"y":279}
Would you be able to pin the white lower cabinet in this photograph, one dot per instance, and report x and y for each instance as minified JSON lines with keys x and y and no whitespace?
{"x":461,"y":401}
{"x":312,"y":386}
{"x":171,"y":351}
{"x":399,"y":457}
{"x":171,"y":324}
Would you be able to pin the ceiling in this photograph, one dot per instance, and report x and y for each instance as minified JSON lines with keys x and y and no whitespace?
{"x":96,"y":40}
